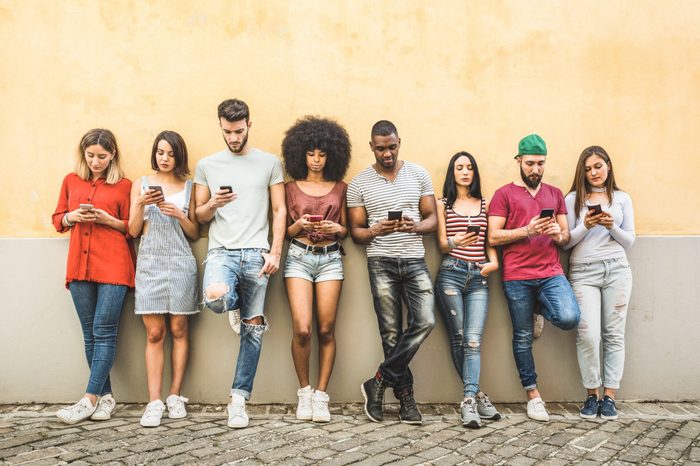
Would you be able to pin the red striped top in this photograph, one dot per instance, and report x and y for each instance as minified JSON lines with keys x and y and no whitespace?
{"x":457,"y":223}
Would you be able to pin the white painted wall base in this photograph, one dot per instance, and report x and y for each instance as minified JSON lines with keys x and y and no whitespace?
{"x":43,"y":361}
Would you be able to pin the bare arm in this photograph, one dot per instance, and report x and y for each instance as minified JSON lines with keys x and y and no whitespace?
{"x":428,"y":210}
{"x":442,"y":229}
{"x":279,"y":227}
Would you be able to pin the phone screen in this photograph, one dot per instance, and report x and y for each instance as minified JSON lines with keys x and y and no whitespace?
{"x":226,"y":188}
{"x":315,"y":218}
{"x":547,"y":213}
{"x":596,"y":209}
{"x":157,"y":188}
{"x":395,"y":214}
{"x":473,"y":229}
{"x":87,"y":206}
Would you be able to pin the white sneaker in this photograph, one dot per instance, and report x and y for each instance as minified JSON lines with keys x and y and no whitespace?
{"x":237,"y":417}
{"x":154,"y":412}
{"x":80,"y":411}
{"x":304,"y":408}
{"x":319,"y":407}
{"x":536,"y":410}
{"x":176,"y":406}
{"x":106,"y":405}
{"x":537,"y":325}
{"x":234,"y":319}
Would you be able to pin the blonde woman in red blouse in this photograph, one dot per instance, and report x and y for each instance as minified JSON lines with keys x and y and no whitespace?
{"x":94,"y":206}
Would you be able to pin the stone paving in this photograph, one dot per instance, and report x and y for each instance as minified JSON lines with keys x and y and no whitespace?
{"x":646,"y":433}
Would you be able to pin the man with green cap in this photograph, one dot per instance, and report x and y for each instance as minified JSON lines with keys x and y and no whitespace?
{"x":527,"y":218}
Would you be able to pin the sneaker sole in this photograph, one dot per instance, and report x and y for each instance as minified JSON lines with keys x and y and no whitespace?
{"x":321,"y":419}
{"x":495,"y":417}
{"x":362,"y":387}
{"x":538,"y":420}
{"x":304,"y":418}
{"x":608,"y":418}
{"x":177,"y":416}
{"x":588,"y":416}
{"x":237,"y":426}
{"x":472,"y":424}
{"x":70,"y":422}
{"x":149,"y":425}
{"x":101,"y":418}
{"x":413,"y":423}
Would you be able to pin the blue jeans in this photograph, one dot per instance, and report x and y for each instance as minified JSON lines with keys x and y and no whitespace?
{"x":238,"y":269}
{"x":391,"y":279}
{"x":462,"y":296}
{"x":558,"y":306}
{"x":99,"y":307}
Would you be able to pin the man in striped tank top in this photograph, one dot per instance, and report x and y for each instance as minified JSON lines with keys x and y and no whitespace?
{"x":528,"y":219}
{"x":390,"y":205}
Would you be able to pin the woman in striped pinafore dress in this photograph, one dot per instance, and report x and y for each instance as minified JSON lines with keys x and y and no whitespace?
{"x":461,"y":288}
{"x":162,"y":210}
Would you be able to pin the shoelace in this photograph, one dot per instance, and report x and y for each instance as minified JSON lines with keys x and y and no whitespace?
{"x":407,"y":400}
{"x":485,"y":400}
{"x":380,"y":392}
{"x":470,"y":407}
{"x":79,"y":408}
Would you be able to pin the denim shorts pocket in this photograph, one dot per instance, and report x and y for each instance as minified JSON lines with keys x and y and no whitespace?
{"x":335,"y":255}
{"x":295,"y":252}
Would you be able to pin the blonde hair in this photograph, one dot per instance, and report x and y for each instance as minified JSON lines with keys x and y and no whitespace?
{"x":108,"y":142}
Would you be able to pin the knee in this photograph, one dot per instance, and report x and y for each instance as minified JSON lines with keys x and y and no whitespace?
{"x":215,"y":291}
{"x":302,"y":336}
{"x":155,"y":334}
{"x":179,"y":329}
{"x":472,"y":344}
{"x":426,"y":323}
{"x":257,"y":320}
{"x":326,"y":335}
{"x":570,"y":320}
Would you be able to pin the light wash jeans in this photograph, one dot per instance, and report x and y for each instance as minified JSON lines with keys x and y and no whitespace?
{"x":603,"y":291}
{"x":558,"y":305}
{"x":239,"y":269}
{"x":99,"y":306}
{"x":391,"y":279}
{"x":462,"y":295}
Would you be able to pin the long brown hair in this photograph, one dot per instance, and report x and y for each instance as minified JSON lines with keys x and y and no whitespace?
{"x":105,"y":139}
{"x":581,"y":187}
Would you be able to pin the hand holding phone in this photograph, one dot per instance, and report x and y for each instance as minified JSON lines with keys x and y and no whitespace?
{"x":395,"y":214}
{"x":473,"y":229}
{"x":87,"y":207}
{"x":156,"y":189}
{"x":595,"y":209}
{"x":315,"y":218}
{"x":547,"y":213}
{"x":226,"y":188}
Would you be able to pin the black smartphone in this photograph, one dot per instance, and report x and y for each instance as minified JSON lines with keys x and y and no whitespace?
{"x":473,"y":229}
{"x":547,"y":213}
{"x":596,"y":209}
{"x":157,"y":188}
{"x":226,"y":188}
{"x":395,"y":215}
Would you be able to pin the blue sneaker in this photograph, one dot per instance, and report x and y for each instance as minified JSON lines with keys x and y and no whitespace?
{"x":591,"y":407}
{"x":607,"y":409}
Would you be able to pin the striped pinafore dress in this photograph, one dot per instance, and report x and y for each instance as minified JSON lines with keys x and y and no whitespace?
{"x":166,"y":270}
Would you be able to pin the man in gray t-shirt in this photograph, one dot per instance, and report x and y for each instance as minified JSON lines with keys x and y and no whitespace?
{"x":234,"y":190}
{"x":396,"y":263}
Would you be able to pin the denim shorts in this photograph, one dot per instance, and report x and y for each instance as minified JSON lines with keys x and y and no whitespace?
{"x":313,"y":267}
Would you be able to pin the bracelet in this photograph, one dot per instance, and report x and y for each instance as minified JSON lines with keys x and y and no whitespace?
{"x":67,"y":222}
{"x":451,"y":243}
{"x":527,"y":230}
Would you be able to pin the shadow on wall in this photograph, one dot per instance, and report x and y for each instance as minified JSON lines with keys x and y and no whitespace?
{"x":43,"y":359}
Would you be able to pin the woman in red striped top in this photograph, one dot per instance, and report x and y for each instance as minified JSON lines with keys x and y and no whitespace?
{"x":461,"y":288}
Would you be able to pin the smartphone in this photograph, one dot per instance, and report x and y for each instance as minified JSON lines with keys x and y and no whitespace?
{"x":226,"y":188}
{"x":473,"y":229}
{"x":395,"y":215}
{"x":87,"y":206}
{"x":596,"y":209}
{"x":157,"y":188}
{"x":315,"y":218}
{"x":547,"y":213}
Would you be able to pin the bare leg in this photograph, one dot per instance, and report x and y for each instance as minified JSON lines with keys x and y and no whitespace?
{"x":155,"y":335}
{"x":179,"y":327}
{"x":327,"y":296}
{"x":300,"y":295}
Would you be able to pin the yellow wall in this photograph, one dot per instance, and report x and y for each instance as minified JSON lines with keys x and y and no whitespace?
{"x":452,"y":75}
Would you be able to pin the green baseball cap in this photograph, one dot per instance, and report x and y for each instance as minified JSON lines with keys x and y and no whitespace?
{"x":531,"y":145}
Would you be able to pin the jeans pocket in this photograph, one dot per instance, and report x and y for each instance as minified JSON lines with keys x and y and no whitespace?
{"x":295,"y":252}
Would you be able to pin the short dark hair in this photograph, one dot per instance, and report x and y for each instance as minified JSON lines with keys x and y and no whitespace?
{"x":234,"y":110}
{"x":182,"y":168}
{"x":384,"y":128}
{"x":449,"y":189}
{"x":312,"y":132}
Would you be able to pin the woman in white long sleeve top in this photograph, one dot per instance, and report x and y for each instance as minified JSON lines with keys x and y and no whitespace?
{"x":602,"y":228}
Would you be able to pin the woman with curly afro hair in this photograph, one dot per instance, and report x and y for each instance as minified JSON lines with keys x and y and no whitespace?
{"x":316,"y":154}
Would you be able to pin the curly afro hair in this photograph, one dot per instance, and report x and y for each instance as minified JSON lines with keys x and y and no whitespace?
{"x":310,"y":133}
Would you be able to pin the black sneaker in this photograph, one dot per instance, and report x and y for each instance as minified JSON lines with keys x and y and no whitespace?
{"x":608,"y":411}
{"x":591,"y":407}
{"x":373,"y":392}
{"x":408,"y":411}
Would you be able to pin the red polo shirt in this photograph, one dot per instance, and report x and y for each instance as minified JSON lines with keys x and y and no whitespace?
{"x":97,"y":253}
{"x":535,"y":257}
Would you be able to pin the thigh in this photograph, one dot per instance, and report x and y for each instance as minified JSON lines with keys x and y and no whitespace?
{"x":522,"y":297}
{"x":330,"y":268}
{"x":300,"y":295}
{"x":220,"y":267}
{"x":297,"y":264}
{"x":588,"y":295}
{"x":558,"y":299}
{"x":418,"y":289}
{"x":386,"y":293}
{"x":84,"y":295}
{"x":252,"y":284}
{"x":449,"y":289}
{"x":476,"y":304}
{"x":616,"y":295}
{"x":327,"y":297}
{"x":110,"y":300}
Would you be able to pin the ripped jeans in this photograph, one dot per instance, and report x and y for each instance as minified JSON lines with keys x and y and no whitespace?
{"x":237,"y":270}
{"x":462,"y":296}
{"x":603,"y":291}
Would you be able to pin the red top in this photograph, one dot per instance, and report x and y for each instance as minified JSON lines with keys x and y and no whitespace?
{"x":456,"y":223}
{"x":97,"y":253}
{"x":329,"y":206}
{"x":535,"y":257}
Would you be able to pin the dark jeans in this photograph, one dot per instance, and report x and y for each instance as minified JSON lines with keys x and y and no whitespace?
{"x":558,"y":306}
{"x":393,"y":279}
{"x":99,"y":306}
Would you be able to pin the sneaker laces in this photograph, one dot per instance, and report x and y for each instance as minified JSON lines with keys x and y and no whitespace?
{"x":407,"y":400}
{"x":380,"y":391}
{"x":485,"y":400}
{"x":80,"y":407}
{"x":470,"y":405}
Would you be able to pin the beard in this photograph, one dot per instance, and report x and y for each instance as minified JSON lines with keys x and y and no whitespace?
{"x":532,"y":181}
{"x":240,"y":147}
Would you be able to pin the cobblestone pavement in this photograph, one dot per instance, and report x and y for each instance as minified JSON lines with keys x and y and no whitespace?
{"x":646,"y":433}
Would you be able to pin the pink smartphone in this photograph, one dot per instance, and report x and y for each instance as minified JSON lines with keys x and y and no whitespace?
{"x":315,"y":218}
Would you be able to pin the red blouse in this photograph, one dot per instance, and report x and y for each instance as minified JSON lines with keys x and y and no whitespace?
{"x":97,"y":252}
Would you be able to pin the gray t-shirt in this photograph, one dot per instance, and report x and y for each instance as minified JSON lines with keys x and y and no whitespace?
{"x":599,"y":243}
{"x":244,"y":222}
{"x":378,"y":196}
